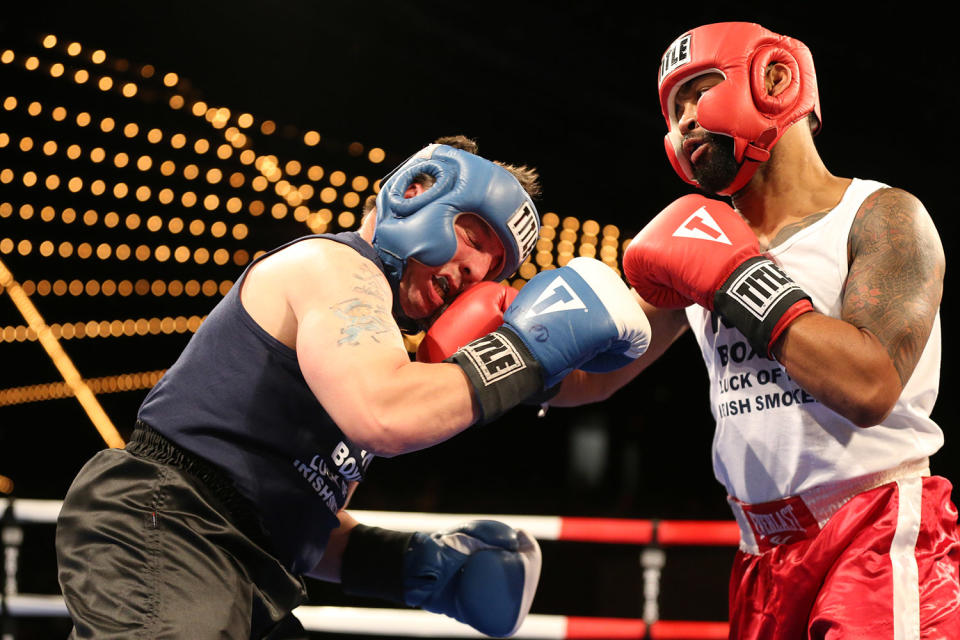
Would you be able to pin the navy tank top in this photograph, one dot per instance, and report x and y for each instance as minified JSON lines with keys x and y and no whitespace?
{"x":236,"y":398}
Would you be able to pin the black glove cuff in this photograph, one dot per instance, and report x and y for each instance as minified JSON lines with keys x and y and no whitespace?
{"x":372,"y":563}
{"x":502,"y":371}
{"x":755,"y":297}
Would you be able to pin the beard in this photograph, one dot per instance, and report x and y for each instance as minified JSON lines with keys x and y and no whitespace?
{"x":720,"y":168}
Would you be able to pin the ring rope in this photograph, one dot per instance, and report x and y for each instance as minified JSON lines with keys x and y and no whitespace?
{"x":571,"y":529}
{"x":416,"y":623}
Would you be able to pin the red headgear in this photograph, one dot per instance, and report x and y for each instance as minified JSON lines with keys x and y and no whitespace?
{"x":739,"y":106}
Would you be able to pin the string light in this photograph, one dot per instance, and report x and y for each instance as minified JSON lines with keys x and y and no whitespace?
{"x":58,"y":390}
{"x":107,"y":328}
{"x":283,"y":188}
{"x":122,"y":252}
{"x":60,"y":359}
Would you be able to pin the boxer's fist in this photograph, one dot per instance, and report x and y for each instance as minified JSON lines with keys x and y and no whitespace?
{"x":687,"y":252}
{"x":482,"y":573}
{"x":477,"y":311}
{"x":578,"y":316}
{"x":699,"y":250}
{"x":581,"y":315}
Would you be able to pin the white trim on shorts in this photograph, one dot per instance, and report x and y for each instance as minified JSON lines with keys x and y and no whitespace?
{"x":903,"y":559}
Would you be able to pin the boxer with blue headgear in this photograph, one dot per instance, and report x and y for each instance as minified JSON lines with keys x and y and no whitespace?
{"x":422,"y":227}
{"x":296,"y":380}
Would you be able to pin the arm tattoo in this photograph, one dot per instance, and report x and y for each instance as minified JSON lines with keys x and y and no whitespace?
{"x":895,"y":281}
{"x":369,"y":281}
{"x":369,"y":313}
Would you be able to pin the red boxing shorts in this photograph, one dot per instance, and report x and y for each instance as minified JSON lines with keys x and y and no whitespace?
{"x":885,"y":565}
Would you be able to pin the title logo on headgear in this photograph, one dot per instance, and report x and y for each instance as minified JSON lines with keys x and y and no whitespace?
{"x":525,"y":227}
{"x":677,"y":55}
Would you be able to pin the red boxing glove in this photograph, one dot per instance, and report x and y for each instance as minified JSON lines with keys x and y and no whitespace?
{"x":700,"y":250}
{"x":474,"y":313}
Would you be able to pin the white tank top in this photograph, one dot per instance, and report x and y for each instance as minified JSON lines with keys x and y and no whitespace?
{"x":775,"y":440}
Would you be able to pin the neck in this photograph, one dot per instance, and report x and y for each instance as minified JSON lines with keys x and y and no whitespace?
{"x":792,"y":184}
{"x":367,"y":225}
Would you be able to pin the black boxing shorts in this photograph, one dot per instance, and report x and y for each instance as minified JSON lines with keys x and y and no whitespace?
{"x":146,"y":549}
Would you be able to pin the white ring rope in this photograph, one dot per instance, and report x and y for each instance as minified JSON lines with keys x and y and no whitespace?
{"x":612,"y":530}
{"x":416,"y":623}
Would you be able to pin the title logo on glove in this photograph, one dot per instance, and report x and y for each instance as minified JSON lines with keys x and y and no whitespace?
{"x":559,"y":296}
{"x":760,"y":286}
{"x":494,"y":357}
{"x":701,"y":226}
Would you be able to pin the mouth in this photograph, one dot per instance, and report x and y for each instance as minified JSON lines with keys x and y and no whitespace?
{"x":694,"y":148}
{"x":441,"y":286}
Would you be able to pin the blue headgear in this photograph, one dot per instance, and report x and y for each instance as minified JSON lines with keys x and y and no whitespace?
{"x":422,"y":227}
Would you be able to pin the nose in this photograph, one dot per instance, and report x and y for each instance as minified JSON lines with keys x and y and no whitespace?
{"x":688,"y":117}
{"x":475,"y":268}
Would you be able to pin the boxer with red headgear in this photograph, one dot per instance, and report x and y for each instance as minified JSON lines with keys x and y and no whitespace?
{"x":814,"y":300}
{"x":740,"y":107}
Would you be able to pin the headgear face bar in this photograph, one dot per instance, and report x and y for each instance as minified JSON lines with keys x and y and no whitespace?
{"x":739,"y":106}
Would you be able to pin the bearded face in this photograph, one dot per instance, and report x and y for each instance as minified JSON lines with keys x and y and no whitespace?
{"x":714,"y":167}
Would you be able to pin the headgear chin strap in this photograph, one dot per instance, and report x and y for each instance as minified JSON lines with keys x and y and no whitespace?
{"x":739,"y":106}
{"x":422,"y":227}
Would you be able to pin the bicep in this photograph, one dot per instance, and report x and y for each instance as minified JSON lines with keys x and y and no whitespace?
{"x":347,"y":340}
{"x":895,"y":281}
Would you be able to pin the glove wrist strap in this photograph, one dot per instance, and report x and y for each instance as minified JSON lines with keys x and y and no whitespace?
{"x":372,"y":563}
{"x":756,"y":297}
{"x":501,"y":370}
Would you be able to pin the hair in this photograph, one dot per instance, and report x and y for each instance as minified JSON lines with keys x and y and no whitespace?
{"x":528,"y":177}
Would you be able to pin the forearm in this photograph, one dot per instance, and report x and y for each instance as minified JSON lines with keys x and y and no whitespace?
{"x":844,"y":367}
{"x":581,"y":388}
{"x":412,"y":407}
{"x":328,"y":568}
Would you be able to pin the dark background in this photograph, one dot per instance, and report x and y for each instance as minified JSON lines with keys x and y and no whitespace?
{"x":568,"y":88}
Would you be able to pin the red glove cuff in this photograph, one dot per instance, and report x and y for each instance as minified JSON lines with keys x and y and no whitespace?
{"x":789,"y":316}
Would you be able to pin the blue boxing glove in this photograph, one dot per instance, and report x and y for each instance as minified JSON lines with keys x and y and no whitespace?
{"x":482,"y":573}
{"x":580,"y":316}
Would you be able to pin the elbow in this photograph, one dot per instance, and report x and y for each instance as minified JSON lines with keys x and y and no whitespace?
{"x":873,"y":408}
{"x":379,"y":436}
{"x":382,"y":442}
{"x":866,"y":417}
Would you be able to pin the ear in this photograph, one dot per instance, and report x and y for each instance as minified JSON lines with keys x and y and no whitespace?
{"x":777,"y":78}
{"x":414,"y":190}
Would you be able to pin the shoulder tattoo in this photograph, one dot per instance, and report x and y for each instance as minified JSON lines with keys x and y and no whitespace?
{"x":368,"y":314}
{"x":895,"y":280}
{"x":793,"y":228}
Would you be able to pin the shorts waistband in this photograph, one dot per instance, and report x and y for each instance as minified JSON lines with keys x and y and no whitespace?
{"x":767,"y":524}
{"x":146,"y":442}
